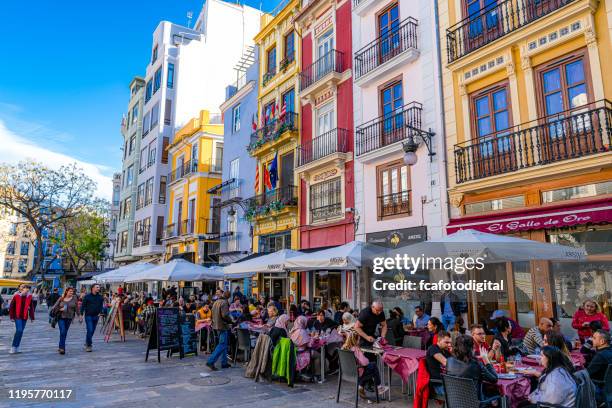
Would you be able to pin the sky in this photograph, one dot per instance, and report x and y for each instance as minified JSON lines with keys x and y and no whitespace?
{"x":64,"y":75}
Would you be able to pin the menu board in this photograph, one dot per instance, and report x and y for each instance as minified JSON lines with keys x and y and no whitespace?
{"x":168,"y":333}
{"x":189,"y":337}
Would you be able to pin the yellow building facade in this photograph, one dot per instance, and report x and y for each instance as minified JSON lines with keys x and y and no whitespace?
{"x":196,"y":155}
{"x":527,"y":92}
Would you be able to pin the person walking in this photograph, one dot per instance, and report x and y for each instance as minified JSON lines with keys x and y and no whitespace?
{"x":35,"y":298}
{"x":65,"y":309}
{"x":91,"y":308}
{"x":220,"y":323}
{"x":20,"y":310}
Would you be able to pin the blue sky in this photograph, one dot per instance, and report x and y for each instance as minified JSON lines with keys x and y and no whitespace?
{"x":64,"y":73}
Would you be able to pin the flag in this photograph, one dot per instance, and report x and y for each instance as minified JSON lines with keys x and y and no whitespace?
{"x":256,"y":178}
{"x":266,"y":178}
{"x":254,"y":123}
{"x":283,"y":110}
{"x":273,"y":109}
{"x":274,"y":171}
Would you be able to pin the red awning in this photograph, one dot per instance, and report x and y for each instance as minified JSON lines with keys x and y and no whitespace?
{"x":592,"y":212}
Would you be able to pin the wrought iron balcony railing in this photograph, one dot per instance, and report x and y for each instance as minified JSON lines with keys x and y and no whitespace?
{"x":386,"y":47}
{"x":273,"y":130}
{"x":272,"y":200}
{"x":388,"y":129}
{"x":564,"y":136}
{"x":394,"y":204}
{"x":331,"y":61}
{"x":192,"y":166}
{"x":495,"y":21}
{"x":334,"y":141}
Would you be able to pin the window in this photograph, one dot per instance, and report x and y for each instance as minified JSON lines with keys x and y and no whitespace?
{"x":134,"y":114}
{"x":157,"y":80}
{"x":127,"y":207}
{"x":391,"y":101}
{"x":162,"y":190}
{"x":325,"y":119}
{"x":271,"y":61}
{"x":152,"y":152}
{"x":495,"y":205}
{"x":146,"y":123}
{"x":236,"y":118}
{"x":137,"y":234}
{"x":164,"y":158}
{"x":481,"y":22}
{"x":393,"y":189}
{"x":23,"y":265}
{"x":326,"y":200}
{"x":25,"y":248}
{"x":571,"y":193}
{"x":143,"y":159}
{"x":168,"y":112}
{"x":146,"y":231}
{"x":10,"y":248}
{"x":267,"y":112}
{"x":154,"y":55}
{"x":13,"y":229}
{"x":159,"y":232}
{"x":290,"y":47}
{"x":154,"y":115}
{"x":273,"y":243}
{"x":140,"y":196}
{"x":149,"y":91}
{"x":388,"y":32}
{"x":170,"y":76}
{"x":8,"y":265}
{"x":125,"y":150}
{"x":149,"y":191}
{"x":288,"y":101}
{"x":491,"y":117}
{"x":132,"y":143}
{"x":130,"y":175}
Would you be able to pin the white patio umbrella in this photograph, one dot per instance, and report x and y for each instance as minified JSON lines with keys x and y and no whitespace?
{"x":274,"y":262}
{"x":120,"y":274}
{"x":493,"y":248}
{"x":178,"y":270}
{"x":347,"y":256}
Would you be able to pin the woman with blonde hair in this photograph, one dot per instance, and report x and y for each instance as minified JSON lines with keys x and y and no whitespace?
{"x":272,"y":315}
{"x":368,"y":371}
{"x":583,"y":317}
{"x":65,"y":309}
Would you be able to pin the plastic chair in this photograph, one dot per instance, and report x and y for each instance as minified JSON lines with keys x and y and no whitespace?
{"x":413,"y":342}
{"x":244,"y":344}
{"x":463,"y":392}
{"x":606,"y":385}
{"x":349,"y":371}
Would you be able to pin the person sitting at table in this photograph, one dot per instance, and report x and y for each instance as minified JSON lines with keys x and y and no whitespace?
{"x":279,"y":330}
{"x":517,"y":332}
{"x":395,"y":326}
{"x":322,"y":323}
{"x":190,"y":306}
{"x":588,"y":313}
{"x":304,"y":309}
{"x":272,"y":315}
{"x":458,"y":329}
{"x":367,"y":370}
{"x":348,"y":324}
{"x":463,"y":363}
{"x":434,"y":326}
{"x":342,"y":309}
{"x":552,"y":338}
{"x":420,"y":318}
{"x":534,"y":338}
{"x":599,"y":364}
{"x":436,"y":357}
{"x":235,"y":308}
{"x":400,"y":313}
{"x":504,"y":337}
{"x":293,"y":312}
{"x":301,"y":338}
{"x":480,"y":342}
{"x":556,"y":384}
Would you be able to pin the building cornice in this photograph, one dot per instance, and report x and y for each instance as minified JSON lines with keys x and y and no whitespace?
{"x":241,"y":93}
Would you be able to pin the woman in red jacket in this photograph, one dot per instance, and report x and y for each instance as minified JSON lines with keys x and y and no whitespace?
{"x":21,"y":308}
{"x":583,"y":317}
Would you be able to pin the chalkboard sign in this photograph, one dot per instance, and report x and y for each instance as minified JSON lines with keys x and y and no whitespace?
{"x":168,"y":333}
{"x":189,"y":338}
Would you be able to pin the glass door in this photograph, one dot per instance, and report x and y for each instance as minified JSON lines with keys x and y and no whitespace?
{"x":325,"y":58}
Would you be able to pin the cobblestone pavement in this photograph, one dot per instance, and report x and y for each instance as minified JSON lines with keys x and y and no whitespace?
{"x":115,"y":374}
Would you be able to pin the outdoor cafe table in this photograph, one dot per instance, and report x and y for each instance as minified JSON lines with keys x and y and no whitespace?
{"x":320,"y":343}
{"x":404,"y":361}
{"x":515,"y":389}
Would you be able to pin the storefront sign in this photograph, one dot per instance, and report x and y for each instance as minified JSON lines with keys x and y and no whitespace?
{"x":324,"y":175}
{"x":397,"y":238}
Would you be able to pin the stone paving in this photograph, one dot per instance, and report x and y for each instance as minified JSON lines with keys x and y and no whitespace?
{"x":115,"y":374}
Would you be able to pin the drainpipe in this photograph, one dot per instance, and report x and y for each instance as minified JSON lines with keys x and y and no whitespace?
{"x":442,"y":113}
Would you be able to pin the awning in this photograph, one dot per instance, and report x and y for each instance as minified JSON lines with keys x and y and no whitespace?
{"x":527,"y":219}
{"x":177,"y":270}
{"x":272,"y":262}
{"x":342,"y":257}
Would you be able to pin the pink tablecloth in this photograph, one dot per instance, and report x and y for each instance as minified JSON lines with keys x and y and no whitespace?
{"x":201,"y":324}
{"x":516,"y":390}
{"x":403,"y":361}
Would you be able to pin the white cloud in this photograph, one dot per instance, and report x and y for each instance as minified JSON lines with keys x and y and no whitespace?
{"x":14,"y":148}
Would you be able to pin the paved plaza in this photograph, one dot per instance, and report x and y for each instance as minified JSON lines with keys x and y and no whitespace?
{"x":115,"y":374}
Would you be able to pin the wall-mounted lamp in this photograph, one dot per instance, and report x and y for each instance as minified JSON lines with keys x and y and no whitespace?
{"x":410,"y":146}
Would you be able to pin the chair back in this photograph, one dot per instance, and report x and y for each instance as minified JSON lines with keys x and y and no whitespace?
{"x":607,"y":388}
{"x":390,"y":338}
{"x":348,"y":366}
{"x":460,"y":392}
{"x":412,"y":342}
{"x":244,"y":339}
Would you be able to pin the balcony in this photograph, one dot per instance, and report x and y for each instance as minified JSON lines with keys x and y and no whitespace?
{"x":396,"y":47}
{"x":271,"y":201}
{"x":192,"y":166}
{"x":564,"y":136}
{"x":272,"y":131}
{"x":394,"y":204}
{"x":208,"y":228}
{"x":231,"y":192}
{"x":323,"y":73}
{"x":268,"y":76}
{"x":362,"y":7}
{"x":332,"y":145}
{"x":388,"y":129}
{"x":495,"y":21}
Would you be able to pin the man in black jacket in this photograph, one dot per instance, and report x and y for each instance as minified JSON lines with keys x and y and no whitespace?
{"x":603,"y":357}
{"x":91,"y":309}
{"x":51,"y":299}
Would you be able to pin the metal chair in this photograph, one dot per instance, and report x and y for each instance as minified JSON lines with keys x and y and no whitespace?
{"x":244,"y":344}
{"x":349,"y":371}
{"x":462,"y":392}
{"x":412,"y":342}
{"x":606,"y":386}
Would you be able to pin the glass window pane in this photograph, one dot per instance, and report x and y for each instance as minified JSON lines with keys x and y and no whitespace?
{"x":554,"y":103}
{"x":577,"y":95}
{"x":502,"y":121}
{"x":499,"y":100}
{"x":404,"y":180}
{"x":386,"y":96}
{"x":552,"y":80}
{"x":397,"y":90}
{"x":385,"y":183}
{"x":574,"y":72}
{"x":474,"y":7}
{"x":394,"y":184}
{"x":482,"y":106}
{"x":484,"y":126}
{"x":394,"y":13}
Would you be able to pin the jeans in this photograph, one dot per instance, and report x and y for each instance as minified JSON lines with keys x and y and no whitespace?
{"x":90,"y":322}
{"x":439,"y":389}
{"x":64,"y":325}
{"x":221,"y":349}
{"x":19,"y":327}
{"x":448,"y":321}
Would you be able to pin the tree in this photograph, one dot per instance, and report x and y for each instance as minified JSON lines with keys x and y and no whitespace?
{"x":83,"y":237}
{"x":44,"y":197}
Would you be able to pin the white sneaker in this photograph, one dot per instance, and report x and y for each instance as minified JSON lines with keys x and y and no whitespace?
{"x":13,"y":350}
{"x":17,"y":350}
{"x":382,"y":389}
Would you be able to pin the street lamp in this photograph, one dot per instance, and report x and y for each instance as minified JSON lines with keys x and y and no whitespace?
{"x":410,"y":146}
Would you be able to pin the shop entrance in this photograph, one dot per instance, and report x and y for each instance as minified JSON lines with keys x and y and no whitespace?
{"x":327,"y":288}
{"x":274,"y":286}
